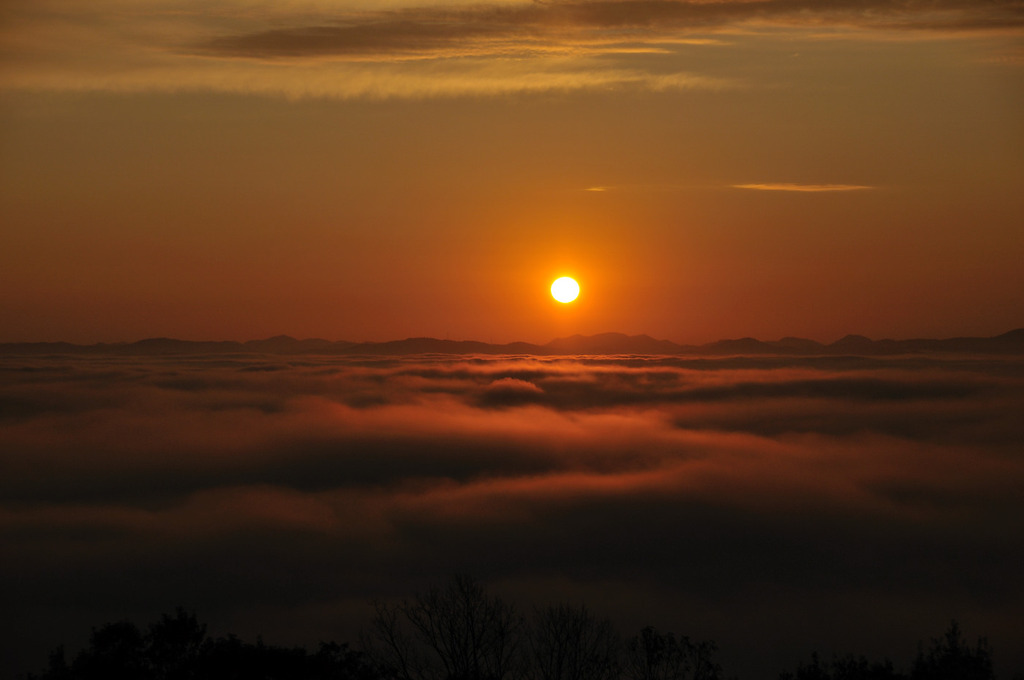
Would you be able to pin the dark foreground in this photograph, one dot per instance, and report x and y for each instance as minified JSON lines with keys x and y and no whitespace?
{"x":460,"y":632}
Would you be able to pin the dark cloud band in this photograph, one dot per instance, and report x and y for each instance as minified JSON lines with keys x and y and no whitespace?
{"x":437,"y":31}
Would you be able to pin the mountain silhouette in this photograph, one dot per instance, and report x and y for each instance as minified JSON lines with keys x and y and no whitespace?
{"x":285,"y":344}
{"x":611,"y":343}
{"x":1011,"y":342}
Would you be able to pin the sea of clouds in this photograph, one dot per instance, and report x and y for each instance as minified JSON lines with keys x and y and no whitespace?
{"x":777,"y":505}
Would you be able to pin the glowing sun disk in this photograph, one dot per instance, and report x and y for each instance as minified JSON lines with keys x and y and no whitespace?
{"x":565,"y":289}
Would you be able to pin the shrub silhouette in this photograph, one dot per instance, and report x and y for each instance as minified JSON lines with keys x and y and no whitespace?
{"x":947,"y":658}
{"x":845,"y":668}
{"x":177,"y":648}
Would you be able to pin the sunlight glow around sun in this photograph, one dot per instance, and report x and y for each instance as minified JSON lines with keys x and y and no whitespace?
{"x":565,"y":289}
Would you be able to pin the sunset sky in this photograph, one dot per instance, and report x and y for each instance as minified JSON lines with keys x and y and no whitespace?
{"x":372,"y":170}
{"x":376,"y":170}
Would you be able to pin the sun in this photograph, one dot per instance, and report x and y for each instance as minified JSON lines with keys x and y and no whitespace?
{"x":565,"y":289}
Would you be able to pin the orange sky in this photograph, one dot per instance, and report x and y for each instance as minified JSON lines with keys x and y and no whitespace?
{"x":370,"y":171}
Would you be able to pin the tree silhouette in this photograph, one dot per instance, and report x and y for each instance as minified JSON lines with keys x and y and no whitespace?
{"x":951,"y":658}
{"x":174,"y":646}
{"x":458,"y":632}
{"x":661,"y":656}
{"x":116,"y":651}
{"x":569,"y":643}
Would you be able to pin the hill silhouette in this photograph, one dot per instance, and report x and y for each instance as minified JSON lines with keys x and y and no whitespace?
{"x":1011,"y":342}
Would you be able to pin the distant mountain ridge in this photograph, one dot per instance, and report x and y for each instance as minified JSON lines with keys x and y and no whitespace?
{"x":604,"y":343}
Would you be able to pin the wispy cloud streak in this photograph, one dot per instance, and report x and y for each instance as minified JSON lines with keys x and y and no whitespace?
{"x":314,"y":49}
{"x":806,"y":188}
{"x":527,"y":26}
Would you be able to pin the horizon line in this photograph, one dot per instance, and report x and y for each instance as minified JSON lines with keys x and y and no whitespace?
{"x":1013,"y":333}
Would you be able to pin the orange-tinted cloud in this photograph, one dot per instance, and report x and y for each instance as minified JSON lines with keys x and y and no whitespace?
{"x":810,"y":188}
{"x":228,"y":483}
{"x":314,"y":49}
{"x":527,"y":27}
